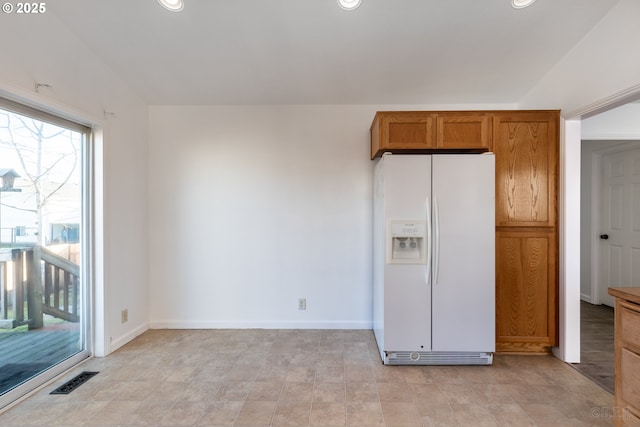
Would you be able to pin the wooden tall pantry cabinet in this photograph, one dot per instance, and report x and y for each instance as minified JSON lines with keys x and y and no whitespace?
{"x":526,"y":146}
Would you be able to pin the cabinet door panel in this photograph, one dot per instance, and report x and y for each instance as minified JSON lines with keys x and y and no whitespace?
{"x":526,"y":287}
{"x":407,"y":131}
{"x":526,"y":147}
{"x":458,"y":131}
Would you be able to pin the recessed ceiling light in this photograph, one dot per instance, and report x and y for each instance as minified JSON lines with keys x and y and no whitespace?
{"x":172,"y":5}
{"x":349,"y":4}
{"x":519,"y":4}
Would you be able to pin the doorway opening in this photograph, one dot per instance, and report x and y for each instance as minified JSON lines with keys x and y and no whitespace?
{"x":609,"y":145}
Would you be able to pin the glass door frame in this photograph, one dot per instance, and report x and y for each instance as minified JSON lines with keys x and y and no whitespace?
{"x":87,"y":242}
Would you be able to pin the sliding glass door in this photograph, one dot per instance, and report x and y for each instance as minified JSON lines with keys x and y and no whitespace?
{"x":44,"y":246}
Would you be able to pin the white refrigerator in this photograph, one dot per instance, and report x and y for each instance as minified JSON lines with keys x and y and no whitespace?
{"x":434,"y":259}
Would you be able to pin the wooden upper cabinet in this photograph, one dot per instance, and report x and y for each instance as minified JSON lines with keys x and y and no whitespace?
{"x":460,"y":130}
{"x":402,"y":130}
{"x":426,"y":131}
{"x":526,"y":147}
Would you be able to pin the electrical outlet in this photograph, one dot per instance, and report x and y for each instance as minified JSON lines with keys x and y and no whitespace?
{"x":125,"y":316}
{"x":302,"y":304}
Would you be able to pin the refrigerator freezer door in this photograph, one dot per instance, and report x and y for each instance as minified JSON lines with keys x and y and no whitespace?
{"x":407,"y":294}
{"x":464,"y":293}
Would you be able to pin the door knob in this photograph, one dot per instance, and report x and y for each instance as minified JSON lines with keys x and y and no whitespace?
{"x":604,"y":236}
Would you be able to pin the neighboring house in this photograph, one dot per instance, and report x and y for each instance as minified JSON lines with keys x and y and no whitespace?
{"x":61,"y":223}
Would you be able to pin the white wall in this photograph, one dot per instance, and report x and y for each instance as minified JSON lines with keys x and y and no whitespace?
{"x":604,"y":63}
{"x":38,"y":48}
{"x":622,"y":123}
{"x":255,"y":207}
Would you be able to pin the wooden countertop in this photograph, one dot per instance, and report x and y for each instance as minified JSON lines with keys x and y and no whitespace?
{"x":629,"y":294}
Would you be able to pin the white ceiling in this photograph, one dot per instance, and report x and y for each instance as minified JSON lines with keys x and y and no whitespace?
{"x":226,"y":52}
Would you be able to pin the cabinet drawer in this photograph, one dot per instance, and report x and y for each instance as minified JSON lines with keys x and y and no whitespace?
{"x":630,"y":379}
{"x":630,"y":323}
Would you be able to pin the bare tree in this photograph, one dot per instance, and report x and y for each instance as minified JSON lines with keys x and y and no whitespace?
{"x":46,"y":171}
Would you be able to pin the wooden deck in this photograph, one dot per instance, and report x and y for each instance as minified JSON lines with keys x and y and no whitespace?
{"x":26,"y":353}
{"x":40,"y":304}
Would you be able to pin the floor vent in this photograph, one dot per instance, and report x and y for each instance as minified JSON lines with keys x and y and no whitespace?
{"x":74,"y":383}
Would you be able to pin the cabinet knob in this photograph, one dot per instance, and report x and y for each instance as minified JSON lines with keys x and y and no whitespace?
{"x":604,"y":236}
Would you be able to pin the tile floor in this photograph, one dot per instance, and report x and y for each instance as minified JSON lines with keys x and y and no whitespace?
{"x":308,"y":378}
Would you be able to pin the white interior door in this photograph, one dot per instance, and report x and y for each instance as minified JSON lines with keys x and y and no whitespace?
{"x":619,"y":237}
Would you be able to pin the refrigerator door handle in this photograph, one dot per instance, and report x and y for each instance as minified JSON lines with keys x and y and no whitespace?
{"x":428,"y":257}
{"x":436,"y":239}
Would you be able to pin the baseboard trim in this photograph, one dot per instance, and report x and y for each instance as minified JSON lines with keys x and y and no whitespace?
{"x":236,"y":324}
{"x":586,"y":298}
{"x":116,"y":343}
{"x":522,"y":348}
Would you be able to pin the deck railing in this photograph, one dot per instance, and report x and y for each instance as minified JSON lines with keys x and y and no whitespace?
{"x":61,"y":280}
{"x":35,"y":281}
